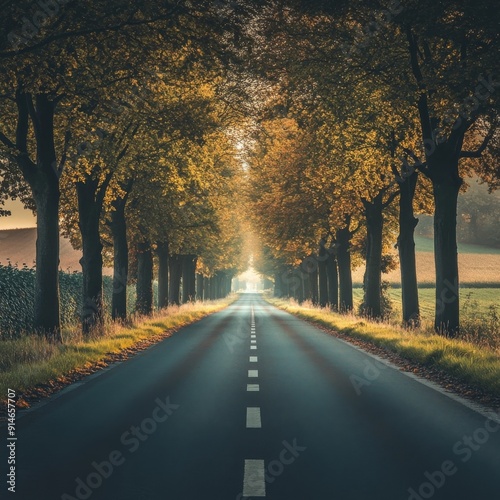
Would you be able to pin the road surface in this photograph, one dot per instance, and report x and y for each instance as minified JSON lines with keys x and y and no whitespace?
{"x":252,"y":402}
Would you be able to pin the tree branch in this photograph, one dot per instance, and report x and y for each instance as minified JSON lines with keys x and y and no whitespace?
{"x":7,"y":141}
{"x":422,"y":104}
{"x":22,"y":121}
{"x":84,"y":32}
{"x":480,"y":150}
{"x":62,"y":162}
{"x":391,"y":198}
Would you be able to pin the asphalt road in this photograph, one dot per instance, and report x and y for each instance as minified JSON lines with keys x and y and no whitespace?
{"x":184,"y":421}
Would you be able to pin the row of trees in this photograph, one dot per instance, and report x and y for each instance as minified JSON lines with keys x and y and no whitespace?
{"x":377,"y":111}
{"x":126,"y":123}
{"x":116,"y":129}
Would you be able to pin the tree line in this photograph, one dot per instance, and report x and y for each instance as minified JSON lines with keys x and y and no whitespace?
{"x":132,"y":128}
{"x":376,"y":113}
{"x":116,"y":130}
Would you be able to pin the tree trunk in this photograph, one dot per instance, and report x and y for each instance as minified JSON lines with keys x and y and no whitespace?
{"x":47,"y":319}
{"x":323,"y":275}
{"x":278,"y":285}
{"x":144,"y":303}
{"x":373,"y":274}
{"x":43,"y":179}
{"x":212,"y":287}
{"x":333,"y":280}
{"x":217,"y":285}
{"x":313,"y":280}
{"x":206,"y":288}
{"x":343,"y":238}
{"x":199,"y":286}
{"x":188,"y":278}
{"x":406,"y":249}
{"x":175,"y":268}
{"x":162,"y":252}
{"x":306,"y":285}
{"x":120,"y":259}
{"x":442,"y":168}
{"x":296,"y":286}
{"x":446,"y":257}
{"x":89,"y":214}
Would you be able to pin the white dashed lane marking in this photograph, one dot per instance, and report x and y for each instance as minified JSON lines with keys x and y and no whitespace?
{"x":253,"y":418}
{"x":254,"y":484}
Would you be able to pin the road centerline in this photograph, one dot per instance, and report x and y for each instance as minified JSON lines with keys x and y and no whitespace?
{"x":254,"y":484}
{"x":253,"y":418}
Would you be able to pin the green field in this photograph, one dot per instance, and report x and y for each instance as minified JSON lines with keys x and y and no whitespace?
{"x":427,"y":245}
{"x":474,"y":302}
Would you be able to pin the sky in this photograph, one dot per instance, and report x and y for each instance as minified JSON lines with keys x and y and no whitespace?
{"x":19,"y":218}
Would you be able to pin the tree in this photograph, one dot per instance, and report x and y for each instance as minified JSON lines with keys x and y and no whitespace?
{"x":62,"y":67}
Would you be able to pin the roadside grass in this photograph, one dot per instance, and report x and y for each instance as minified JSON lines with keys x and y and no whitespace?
{"x":29,"y":360}
{"x":469,"y":359}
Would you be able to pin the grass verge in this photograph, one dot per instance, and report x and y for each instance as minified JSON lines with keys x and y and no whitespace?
{"x":29,"y":361}
{"x":467,"y":362}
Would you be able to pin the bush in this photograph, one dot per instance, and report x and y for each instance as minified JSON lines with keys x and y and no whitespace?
{"x":17,"y":286}
{"x":386,"y":307}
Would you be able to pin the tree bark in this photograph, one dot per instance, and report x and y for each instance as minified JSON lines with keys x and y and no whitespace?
{"x":199,"y":286}
{"x":189,"y":278}
{"x":343,"y":238}
{"x":278,"y":285}
{"x":406,"y":250}
{"x":162,"y":252}
{"x":313,"y":280}
{"x":47,"y":319}
{"x":229,"y":283}
{"x":323,"y":275}
{"x":333,"y":280}
{"x":218,"y":285}
{"x":42,"y":177}
{"x":175,"y":268}
{"x":212,"y":287}
{"x":90,"y":201}
{"x":306,"y":285}
{"x":120,"y":259}
{"x":206,"y":288}
{"x":373,"y":274}
{"x":144,"y":303}
{"x":446,"y":257}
